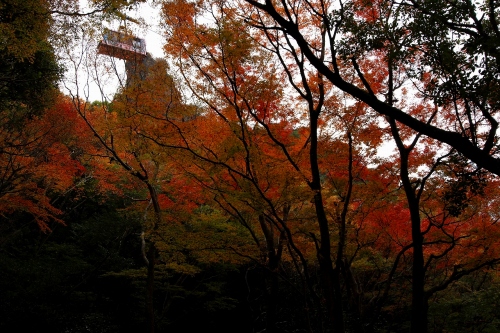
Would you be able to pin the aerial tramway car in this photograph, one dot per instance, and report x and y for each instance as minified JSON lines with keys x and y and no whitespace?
{"x":123,"y":46}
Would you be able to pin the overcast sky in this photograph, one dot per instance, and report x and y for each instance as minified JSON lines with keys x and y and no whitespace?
{"x":152,"y":34}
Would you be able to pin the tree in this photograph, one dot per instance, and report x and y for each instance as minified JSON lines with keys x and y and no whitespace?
{"x":447,"y":51}
{"x":226,"y":68}
{"x":352,"y":43}
{"x":40,"y":162}
{"x":436,"y":222}
{"x":127,"y":130}
{"x":282,"y":151}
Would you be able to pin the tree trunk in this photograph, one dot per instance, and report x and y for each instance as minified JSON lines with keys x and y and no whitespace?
{"x":418,"y":303}
{"x":330,"y":277}
{"x":150,"y":310}
{"x":152,"y":259}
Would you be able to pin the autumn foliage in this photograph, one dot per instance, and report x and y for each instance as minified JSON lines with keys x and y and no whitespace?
{"x":345,"y":184}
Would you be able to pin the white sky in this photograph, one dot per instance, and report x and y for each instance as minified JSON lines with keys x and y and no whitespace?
{"x":151,"y":33}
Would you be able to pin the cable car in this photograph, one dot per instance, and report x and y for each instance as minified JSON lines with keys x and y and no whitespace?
{"x":123,"y":46}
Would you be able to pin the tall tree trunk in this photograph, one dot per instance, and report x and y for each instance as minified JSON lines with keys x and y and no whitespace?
{"x":330,"y":277}
{"x":152,"y":259}
{"x":418,"y":303}
{"x":274,"y":254}
{"x":352,"y":287}
{"x":150,"y":310}
{"x":271,"y":279}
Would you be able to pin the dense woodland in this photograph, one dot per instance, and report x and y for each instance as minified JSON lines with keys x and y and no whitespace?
{"x":237,"y":185}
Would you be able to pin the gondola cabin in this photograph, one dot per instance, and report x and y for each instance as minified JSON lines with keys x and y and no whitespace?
{"x":120,"y":45}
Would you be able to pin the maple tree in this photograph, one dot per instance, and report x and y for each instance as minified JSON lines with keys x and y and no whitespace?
{"x":137,"y":132}
{"x":269,"y":205}
{"x":191,"y":41}
{"x":226,"y":69}
{"x":447,"y":62}
{"x":438,"y":191}
{"x":37,"y":162}
{"x":368,"y":51}
{"x":272,"y":167}
{"x":41,"y":161}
